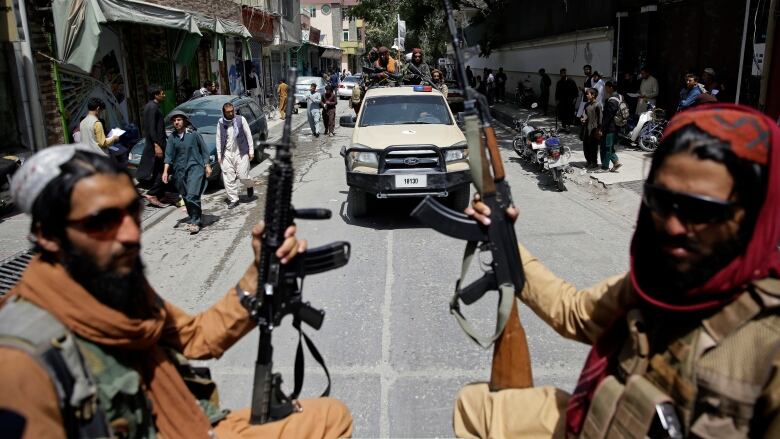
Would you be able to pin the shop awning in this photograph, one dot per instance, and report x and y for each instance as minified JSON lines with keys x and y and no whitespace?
{"x":330,"y":52}
{"x":77,"y":24}
{"x":223,"y":27}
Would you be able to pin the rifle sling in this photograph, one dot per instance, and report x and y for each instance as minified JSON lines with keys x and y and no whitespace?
{"x":506,"y":295}
{"x":299,"y":361}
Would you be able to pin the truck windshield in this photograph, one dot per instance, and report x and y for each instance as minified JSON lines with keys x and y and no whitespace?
{"x":402,"y":110}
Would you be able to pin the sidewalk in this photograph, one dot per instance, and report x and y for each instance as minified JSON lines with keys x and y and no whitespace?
{"x":636,"y":163}
{"x":15,"y":226}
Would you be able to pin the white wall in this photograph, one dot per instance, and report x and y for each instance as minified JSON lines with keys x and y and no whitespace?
{"x":571,"y":51}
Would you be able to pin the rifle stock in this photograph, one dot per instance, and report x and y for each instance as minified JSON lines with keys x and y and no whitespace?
{"x":511,"y":366}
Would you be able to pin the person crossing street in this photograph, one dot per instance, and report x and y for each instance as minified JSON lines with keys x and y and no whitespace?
{"x":188,"y":156}
{"x":234,"y":152}
{"x":314,"y":109}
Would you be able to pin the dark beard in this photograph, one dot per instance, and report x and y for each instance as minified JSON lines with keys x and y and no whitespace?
{"x":124,"y":293}
{"x":659,"y":273}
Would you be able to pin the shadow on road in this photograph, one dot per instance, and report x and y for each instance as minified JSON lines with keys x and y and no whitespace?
{"x":384,"y":214}
{"x":544,"y":180}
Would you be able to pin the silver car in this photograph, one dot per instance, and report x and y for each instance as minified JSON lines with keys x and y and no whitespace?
{"x":346,"y":85}
{"x":302,"y":86}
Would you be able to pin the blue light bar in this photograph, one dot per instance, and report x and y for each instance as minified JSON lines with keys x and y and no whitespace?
{"x":425,"y":88}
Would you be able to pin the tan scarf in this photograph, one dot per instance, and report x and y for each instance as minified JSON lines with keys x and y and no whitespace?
{"x":177,"y":413}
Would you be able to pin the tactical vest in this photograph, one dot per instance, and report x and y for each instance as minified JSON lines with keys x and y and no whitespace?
{"x":100,"y":395}
{"x":713,"y":370}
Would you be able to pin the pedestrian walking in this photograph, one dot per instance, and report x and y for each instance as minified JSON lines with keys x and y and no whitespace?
{"x":98,"y":351}
{"x":501,"y":85}
{"x":334,"y":80}
{"x":234,"y":152}
{"x":150,"y":167}
{"x":544,"y":88}
{"x":470,"y":78}
{"x":253,"y":84}
{"x":648,"y":91}
{"x":188,"y":156}
{"x":592,"y":133}
{"x":281,"y":91}
{"x":480,"y":86}
{"x":329,"y":102}
{"x":92,"y":130}
{"x":565,"y":95}
{"x":690,"y":92}
{"x":314,"y":109}
{"x":490,"y":86}
{"x":610,"y":128}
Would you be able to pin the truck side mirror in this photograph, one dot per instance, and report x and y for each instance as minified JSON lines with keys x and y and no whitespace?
{"x":347,"y":121}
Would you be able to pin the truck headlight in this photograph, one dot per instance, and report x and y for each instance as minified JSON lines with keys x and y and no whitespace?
{"x":452,"y":155}
{"x":362,"y":158}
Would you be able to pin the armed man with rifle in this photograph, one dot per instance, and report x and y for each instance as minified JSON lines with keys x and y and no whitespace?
{"x":88,"y":349}
{"x":417,"y":71}
{"x":687,"y":343}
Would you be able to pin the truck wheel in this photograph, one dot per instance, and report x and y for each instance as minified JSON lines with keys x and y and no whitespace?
{"x":357,"y":202}
{"x":459,"y":199}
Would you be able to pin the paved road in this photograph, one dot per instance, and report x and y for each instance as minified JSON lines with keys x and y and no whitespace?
{"x":396,"y":356}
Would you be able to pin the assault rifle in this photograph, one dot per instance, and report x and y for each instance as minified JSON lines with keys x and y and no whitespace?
{"x":278,"y":292}
{"x":511,"y":360}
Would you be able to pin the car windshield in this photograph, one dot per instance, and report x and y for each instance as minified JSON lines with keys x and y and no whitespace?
{"x":351,"y":79}
{"x":205,"y":120}
{"x":401,"y":110}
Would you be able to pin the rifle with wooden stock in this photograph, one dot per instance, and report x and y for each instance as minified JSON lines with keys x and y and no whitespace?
{"x":511,"y":360}
{"x":279,"y":286}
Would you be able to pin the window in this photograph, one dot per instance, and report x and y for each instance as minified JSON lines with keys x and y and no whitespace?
{"x":345,"y":35}
{"x":403,"y":110}
{"x":325,"y":9}
{"x":255,"y":110}
{"x":287,"y":9}
{"x":312,"y":11}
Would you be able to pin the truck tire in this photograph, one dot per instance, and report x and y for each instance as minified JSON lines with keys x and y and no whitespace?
{"x":459,"y":199}
{"x":357,"y":202}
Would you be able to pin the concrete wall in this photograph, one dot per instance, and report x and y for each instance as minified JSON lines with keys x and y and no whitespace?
{"x":522,"y":61}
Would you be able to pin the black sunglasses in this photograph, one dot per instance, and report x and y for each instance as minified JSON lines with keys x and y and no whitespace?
{"x":105,"y":222}
{"x":689,"y":208}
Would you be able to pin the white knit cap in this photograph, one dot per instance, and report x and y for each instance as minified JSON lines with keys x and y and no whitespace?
{"x":40,"y":169}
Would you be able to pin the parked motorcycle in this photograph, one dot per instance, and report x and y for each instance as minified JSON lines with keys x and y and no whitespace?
{"x":648,"y":131}
{"x":556,"y":159}
{"x":542,"y":149}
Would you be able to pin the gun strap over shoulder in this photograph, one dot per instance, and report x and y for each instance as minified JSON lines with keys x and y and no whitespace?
{"x":31,"y":329}
{"x":506,"y":295}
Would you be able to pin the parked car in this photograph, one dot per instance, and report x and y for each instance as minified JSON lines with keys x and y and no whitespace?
{"x":204,"y":113}
{"x":302,"y":86}
{"x":405,"y":143}
{"x":346,"y":85}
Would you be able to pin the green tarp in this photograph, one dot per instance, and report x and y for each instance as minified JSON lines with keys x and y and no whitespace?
{"x":77,"y":25}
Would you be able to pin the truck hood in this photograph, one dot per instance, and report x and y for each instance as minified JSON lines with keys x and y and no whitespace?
{"x":382,"y":136}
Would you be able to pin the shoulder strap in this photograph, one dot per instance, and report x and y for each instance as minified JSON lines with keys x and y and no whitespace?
{"x":33,"y":330}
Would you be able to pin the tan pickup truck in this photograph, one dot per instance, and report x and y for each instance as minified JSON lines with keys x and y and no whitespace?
{"x":405,"y":144}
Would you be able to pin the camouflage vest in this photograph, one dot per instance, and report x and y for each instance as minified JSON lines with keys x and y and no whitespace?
{"x":100,"y":394}
{"x":713,"y":370}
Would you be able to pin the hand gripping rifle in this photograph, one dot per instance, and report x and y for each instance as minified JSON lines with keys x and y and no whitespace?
{"x":278,"y":292}
{"x":511,"y":360}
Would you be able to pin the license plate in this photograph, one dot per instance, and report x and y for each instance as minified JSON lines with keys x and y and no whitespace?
{"x":411,"y":181}
{"x":560,"y":162}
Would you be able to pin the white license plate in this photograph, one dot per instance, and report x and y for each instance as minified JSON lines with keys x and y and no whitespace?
{"x":411,"y":181}
{"x":560,"y":162}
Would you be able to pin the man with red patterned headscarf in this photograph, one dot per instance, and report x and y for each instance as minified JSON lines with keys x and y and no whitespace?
{"x":687,"y":343}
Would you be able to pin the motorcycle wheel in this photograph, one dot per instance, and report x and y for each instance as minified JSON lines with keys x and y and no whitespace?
{"x":648,"y":139}
{"x":558,"y":177}
{"x":517,"y":145}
